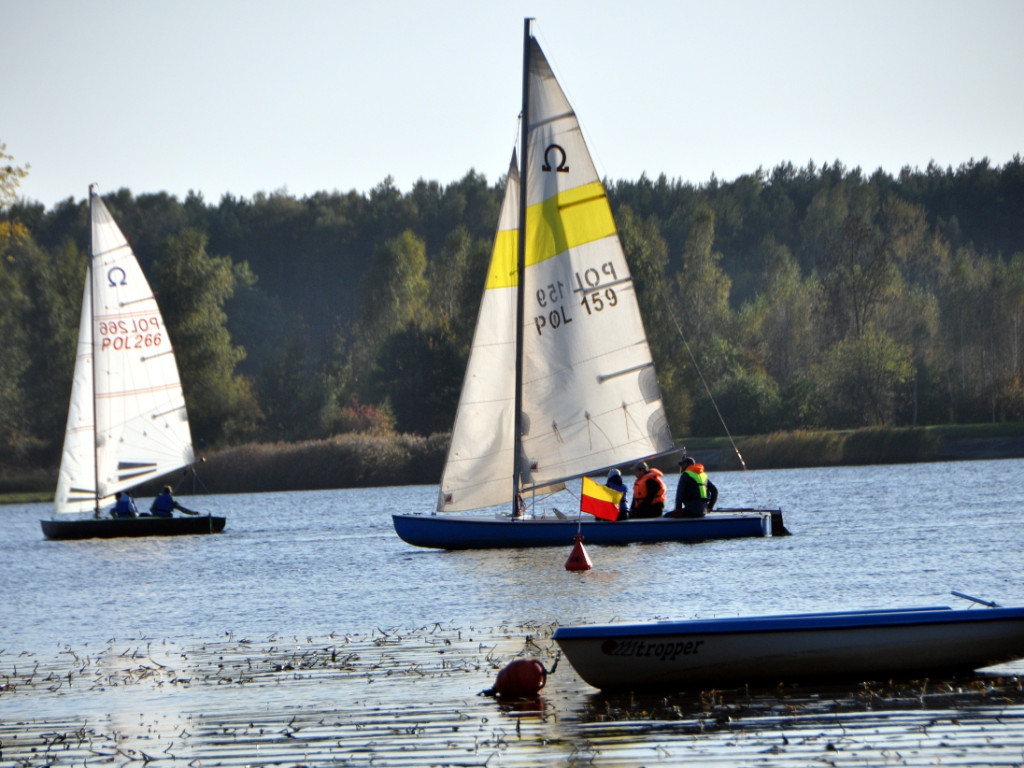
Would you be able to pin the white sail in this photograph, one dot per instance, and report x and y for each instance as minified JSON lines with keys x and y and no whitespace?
{"x":478,"y":472}
{"x":128,"y":378}
{"x":590,"y":393}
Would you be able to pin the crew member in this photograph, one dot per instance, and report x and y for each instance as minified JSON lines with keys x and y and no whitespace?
{"x":696,"y":494}
{"x":164,"y":505}
{"x":649,"y":492}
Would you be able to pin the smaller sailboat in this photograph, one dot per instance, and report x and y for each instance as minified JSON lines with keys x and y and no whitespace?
{"x":127,"y":422}
{"x":560,"y":382}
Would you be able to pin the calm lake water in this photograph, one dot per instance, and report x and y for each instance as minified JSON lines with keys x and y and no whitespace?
{"x":308,"y":633}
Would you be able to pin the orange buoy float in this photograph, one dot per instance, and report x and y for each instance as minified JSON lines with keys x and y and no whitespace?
{"x":522,"y":678}
{"x":578,"y":560}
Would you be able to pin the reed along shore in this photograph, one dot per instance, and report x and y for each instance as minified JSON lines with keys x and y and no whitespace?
{"x":362,"y":461}
{"x":359,"y":460}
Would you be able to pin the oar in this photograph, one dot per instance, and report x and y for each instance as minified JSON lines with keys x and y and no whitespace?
{"x":989,"y":603}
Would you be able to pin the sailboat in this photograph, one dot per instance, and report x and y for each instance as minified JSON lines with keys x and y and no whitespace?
{"x":127,"y":422}
{"x":560,"y":383}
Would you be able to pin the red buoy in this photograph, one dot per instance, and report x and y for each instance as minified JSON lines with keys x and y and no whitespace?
{"x":522,"y":678}
{"x":578,"y":560}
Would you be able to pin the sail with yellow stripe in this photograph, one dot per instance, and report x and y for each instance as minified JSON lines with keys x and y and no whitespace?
{"x":589,"y":394}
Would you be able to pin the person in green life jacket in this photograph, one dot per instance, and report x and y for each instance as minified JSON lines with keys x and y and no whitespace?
{"x":164,"y":505}
{"x":696,"y":495}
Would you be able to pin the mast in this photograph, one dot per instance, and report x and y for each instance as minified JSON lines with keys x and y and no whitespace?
{"x":520,"y":270}
{"x":92,"y":343}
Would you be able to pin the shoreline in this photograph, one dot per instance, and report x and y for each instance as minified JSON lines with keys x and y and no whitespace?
{"x":363,"y":461}
{"x":947,"y":449}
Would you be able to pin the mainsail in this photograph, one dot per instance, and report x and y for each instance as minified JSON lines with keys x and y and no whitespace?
{"x":126,"y":421}
{"x":590,"y":395}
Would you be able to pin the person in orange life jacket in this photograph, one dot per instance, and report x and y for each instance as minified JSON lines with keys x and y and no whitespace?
{"x":124,"y":506}
{"x":616,"y":484}
{"x":164,"y":505}
{"x":649,"y":492}
{"x":696,"y":494}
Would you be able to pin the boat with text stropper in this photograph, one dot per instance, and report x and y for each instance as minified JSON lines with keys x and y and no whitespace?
{"x":560,"y":382}
{"x":769,"y":650}
{"x":127,"y":422}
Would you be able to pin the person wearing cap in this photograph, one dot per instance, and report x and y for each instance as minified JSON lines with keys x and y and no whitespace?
{"x":696,"y":494}
{"x":649,"y":492}
{"x":616,"y":484}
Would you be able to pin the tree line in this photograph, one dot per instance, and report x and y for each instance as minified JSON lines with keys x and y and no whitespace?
{"x":796,"y":298}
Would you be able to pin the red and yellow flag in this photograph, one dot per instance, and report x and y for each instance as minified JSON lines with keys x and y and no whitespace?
{"x":600,"y":500}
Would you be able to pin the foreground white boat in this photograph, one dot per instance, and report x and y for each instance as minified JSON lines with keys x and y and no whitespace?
{"x":862,"y":645}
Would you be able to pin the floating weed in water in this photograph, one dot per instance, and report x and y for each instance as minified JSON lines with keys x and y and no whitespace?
{"x":408,"y":696}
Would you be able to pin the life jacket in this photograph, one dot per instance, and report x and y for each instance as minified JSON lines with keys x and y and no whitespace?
{"x":640,"y":488}
{"x":163,"y":505}
{"x":696,"y":473}
{"x":124,"y":507}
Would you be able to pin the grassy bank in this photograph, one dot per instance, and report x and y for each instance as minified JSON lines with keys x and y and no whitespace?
{"x":345,"y":461}
{"x":358,"y":461}
{"x":782,"y":450}
{"x":26,"y":487}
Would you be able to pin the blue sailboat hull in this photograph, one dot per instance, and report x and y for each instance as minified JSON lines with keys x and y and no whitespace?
{"x":469,"y":532}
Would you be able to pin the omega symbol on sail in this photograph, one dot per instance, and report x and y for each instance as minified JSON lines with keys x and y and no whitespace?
{"x":559,"y":153}
{"x":112,"y":276}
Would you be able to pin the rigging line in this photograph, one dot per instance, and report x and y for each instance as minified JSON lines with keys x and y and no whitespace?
{"x":187,"y":471}
{"x":538,"y":498}
{"x":197,"y":481}
{"x":679,"y":330}
{"x":180,"y":480}
{"x":515,"y":142}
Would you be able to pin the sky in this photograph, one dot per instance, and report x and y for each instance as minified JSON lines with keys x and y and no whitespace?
{"x":302,"y":96}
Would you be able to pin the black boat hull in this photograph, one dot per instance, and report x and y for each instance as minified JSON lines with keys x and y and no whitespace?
{"x":146,"y":525}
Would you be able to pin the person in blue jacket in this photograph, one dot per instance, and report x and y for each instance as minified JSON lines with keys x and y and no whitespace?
{"x":164,"y":505}
{"x":124,"y":505}
{"x":616,"y":484}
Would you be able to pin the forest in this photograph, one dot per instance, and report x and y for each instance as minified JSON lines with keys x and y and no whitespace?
{"x":795,"y":298}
